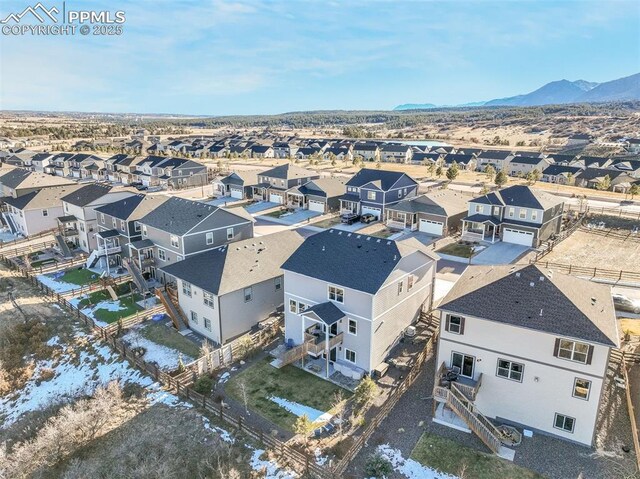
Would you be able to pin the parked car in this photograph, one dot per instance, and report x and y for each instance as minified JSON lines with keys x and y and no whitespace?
{"x":349,"y":218}
{"x":368,"y":218}
{"x":141,"y":187}
{"x":623,"y":303}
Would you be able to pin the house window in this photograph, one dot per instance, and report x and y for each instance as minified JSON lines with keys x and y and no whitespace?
{"x":573,"y":351}
{"x":207,"y":324}
{"x":248,"y":294}
{"x":194,"y":317}
{"x":210,"y":238}
{"x":399,"y":193}
{"x":174,"y":241}
{"x":229,"y":233}
{"x":523,"y":213}
{"x":301,"y":307}
{"x":45,"y":213}
{"x":278,"y":283}
{"x":478,"y":208}
{"x":122,"y":225}
{"x":510,"y":370}
{"x":353,"y":326}
{"x":581,"y":388}
{"x":563,"y":422}
{"x":102,"y":220}
{"x":162,"y":255}
{"x":534,"y":215}
{"x":136,"y":226}
{"x":455,"y":324}
{"x":293,"y":306}
{"x":400,"y":286}
{"x":114,"y":222}
{"x":350,"y":355}
{"x":464,"y":363}
{"x":144,"y":230}
{"x":336,"y":294}
{"x":512,"y":212}
{"x":410,"y":281}
{"x":207,"y":299}
{"x":496,"y":211}
{"x":186,"y":288}
{"x":371,"y":195}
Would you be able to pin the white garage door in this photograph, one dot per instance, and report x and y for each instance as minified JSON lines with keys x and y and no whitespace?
{"x":236,"y":193}
{"x":374,"y":211}
{"x":517,"y":237}
{"x":316,"y":206}
{"x":431,"y":227}
{"x":275,"y":198}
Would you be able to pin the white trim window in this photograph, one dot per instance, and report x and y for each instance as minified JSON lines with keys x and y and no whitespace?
{"x":175,"y":242}
{"x":371,"y":195}
{"x":350,"y":355}
{"x":510,"y":370}
{"x":512,"y":212}
{"x":136,"y":226}
{"x":122,"y":225}
{"x":248,"y":294}
{"x":573,"y":351}
{"x":230,"y":234}
{"x":207,"y":324}
{"x":581,"y":388}
{"x":114,"y":222}
{"x":534,"y":215}
{"x":523,"y":213}
{"x":210,"y":237}
{"x":564,"y":423}
{"x":194,"y":317}
{"x":45,"y":213}
{"x":186,"y":288}
{"x":353,"y":326}
{"x":208,"y":299}
{"x":454,"y":324}
{"x":102,"y":220}
{"x":400,"y":287}
{"x":479,"y":208}
{"x":144,"y":230}
{"x":336,"y":294}
{"x":293,"y":306}
{"x":162,"y":255}
{"x":278,"y":283}
{"x":410,"y":281}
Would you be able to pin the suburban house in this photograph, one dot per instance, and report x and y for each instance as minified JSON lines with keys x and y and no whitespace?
{"x":633,"y":146}
{"x":262,"y":151}
{"x":78,"y":223}
{"x":339,"y":153}
{"x":372,"y":190}
{"x":591,"y":162}
{"x":179,"y":228}
{"x":619,"y":181}
{"x":283,"y":149}
{"x":113,"y":163}
{"x":498,"y":159}
{"x":34,"y":212}
{"x":516,"y":214}
{"x":464,"y":162}
{"x":321,"y":195}
{"x":118,"y":225}
{"x":349,"y":298}
{"x":579,"y":139}
{"x":522,"y":165}
{"x":632,"y":167}
{"x":395,"y":153}
{"x":427,"y":158}
{"x":517,"y":335}
{"x":561,"y":174}
{"x":16,"y":182}
{"x":273,"y":183}
{"x":40,"y":162}
{"x":438,"y":212}
{"x":225,"y":292}
{"x":176,"y":173}
{"x":366,"y":151}
{"x":239,"y":184}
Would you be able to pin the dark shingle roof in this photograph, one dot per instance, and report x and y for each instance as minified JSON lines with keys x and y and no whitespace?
{"x":520,"y":195}
{"x":439,"y":202}
{"x":556,"y":303}
{"x":367,"y":175}
{"x":328,"y":312}
{"x":14,"y":177}
{"x":289,"y":172}
{"x":553,"y":170}
{"x":121,"y":209}
{"x":85,"y":195}
{"x":494,"y":155}
{"x":526,"y":160}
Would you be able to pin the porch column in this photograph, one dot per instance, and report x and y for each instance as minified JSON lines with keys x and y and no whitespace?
{"x":493,"y":239}
{"x":140,"y":260}
{"x":483,"y":230}
{"x":326,"y":334}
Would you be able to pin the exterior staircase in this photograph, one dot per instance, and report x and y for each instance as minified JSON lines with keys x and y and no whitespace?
{"x":64,"y":248}
{"x":174,"y":311}
{"x":92,"y":259}
{"x":136,"y":274}
{"x":10,"y":223}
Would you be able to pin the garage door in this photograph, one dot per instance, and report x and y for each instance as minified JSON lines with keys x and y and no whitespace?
{"x":374,"y":211}
{"x":236,"y":193}
{"x":431,"y":227}
{"x":275,"y":198}
{"x":316,"y":206}
{"x":518,"y":237}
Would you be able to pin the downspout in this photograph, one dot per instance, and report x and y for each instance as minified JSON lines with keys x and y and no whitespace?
{"x":219,"y":319}
{"x":326,"y":334}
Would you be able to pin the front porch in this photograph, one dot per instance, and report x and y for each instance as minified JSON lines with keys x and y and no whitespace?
{"x":485,"y":229}
{"x":349,"y":206}
{"x":295,"y":199}
{"x":401,"y":220}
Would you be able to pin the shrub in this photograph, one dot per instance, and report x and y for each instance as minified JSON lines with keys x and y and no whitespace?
{"x":203,"y":385}
{"x":340,"y":448}
{"x":378,"y":466}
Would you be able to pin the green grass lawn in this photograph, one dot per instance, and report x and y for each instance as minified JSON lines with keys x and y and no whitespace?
{"x":129,"y":307}
{"x":170,"y":337}
{"x":79,"y":276}
{"x":43,"y":262}
{"x":451,"y":457}
{"x":457,"y":249}
{"x":327,"y":223}
{"x":384,"y":233}
{"x":276,"y":214}
{"x":263,"y":381}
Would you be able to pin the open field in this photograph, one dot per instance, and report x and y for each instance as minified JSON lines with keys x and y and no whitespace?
{"x":451,"y":457}
{"x":590,"y":250}
{"x":262,"y":381}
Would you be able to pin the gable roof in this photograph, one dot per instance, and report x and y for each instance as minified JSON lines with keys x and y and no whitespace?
{"x":328,"y":187}
{"x":494,"y":155}
{"x":438,"y":202}
{"x":520,"y":195}
{"x":44,"y":198}
{"x":326,"y":312}
{"x":237,"y":265}
{"x":527,"y":160}
{"x":386,"y":178}
{"x":554,"y":170}
{"x":86,"y":194}
{"x":289,"y":172}
{"x":352,"y":260}
{"x":179,"y":216}
{"x":557,"y":304}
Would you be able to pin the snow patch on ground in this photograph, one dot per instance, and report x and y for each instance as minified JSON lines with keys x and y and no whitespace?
{"x":408,"y":467}
{"x":52,"y":282}
{"x":224,"y":435}
{"x":224,"y":378}
{"x":54,"y":341}
{"x":298,"y":409}
{"x":320,"y":459}
{"x":74,"y":376}
{"x":166,"y":358}
{"x":270,"y":468}
{"x":109,"y":305}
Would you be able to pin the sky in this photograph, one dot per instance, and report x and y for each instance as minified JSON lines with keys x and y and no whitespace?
{"x":219,"y":57}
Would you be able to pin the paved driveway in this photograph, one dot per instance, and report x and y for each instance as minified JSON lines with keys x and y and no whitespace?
{"x":223,"y":201}
{"x":354,"y":227}
{"x":261,"y":206}
{"x":298,"y":216}
{"x":499,"y":253}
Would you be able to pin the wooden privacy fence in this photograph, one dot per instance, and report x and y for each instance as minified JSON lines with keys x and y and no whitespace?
{"x":609,"y":233}
{"x":617,"y":276}
{"x":58,"y":265}
{"x":548,"y":246}
{"x":386,"y":408}
{"x":19,"y":241}
{"x":16,"y":251}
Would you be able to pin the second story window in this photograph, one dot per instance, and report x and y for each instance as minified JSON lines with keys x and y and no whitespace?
{"x":399,"y":193}
{"x":410,"y":281}
{"x":210,"y":238}
{"x":581,"y":388}
{"x":194,"y":317}
{"x":523,"y":213}
{"x":162,"y":255}
{"x":248,"y":294}
{"x":512,"y":212}
{"x":186,"y":288}
{"x":207,"y":299}
{"x":371,"y":195}
{"x":293,"y":306}
{"x":230,"y":234}
{"x":144,"y":230}
{"x":336,"y":294}
{"x":174,"y":241}
{"x":278,"y":283}
{"x":400,"y":287}
{"x":534,"y":216}
{"x":136,"y":226}
{"x":510,"y":370}
{"x":102,"y":220}
{"x":573,"y":351}
{"x":122,"y":225}
{"x":353,"y":326}
{"x":478,"y":208}
{"x":45,"y":213}
{"x":454,"y":324}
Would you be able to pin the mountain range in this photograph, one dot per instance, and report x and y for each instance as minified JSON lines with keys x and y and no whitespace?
{"x":557,"y":92}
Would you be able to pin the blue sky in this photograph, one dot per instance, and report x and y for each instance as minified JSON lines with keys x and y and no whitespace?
{"x":253,"y":57}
